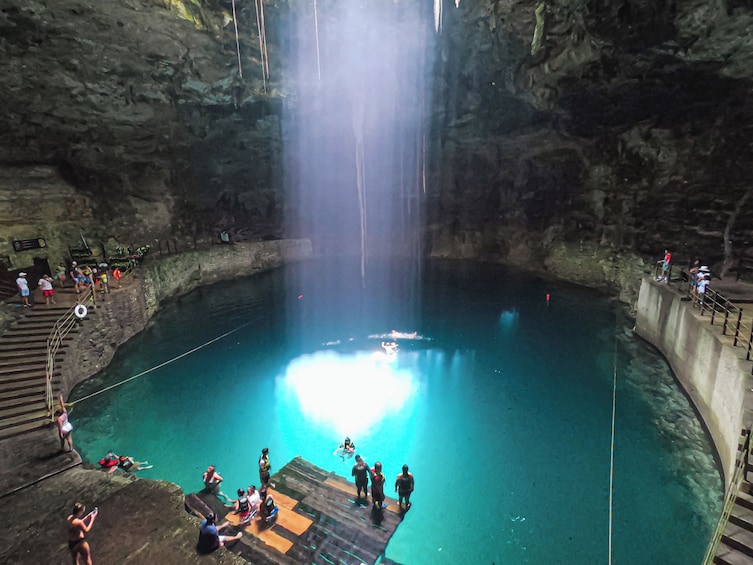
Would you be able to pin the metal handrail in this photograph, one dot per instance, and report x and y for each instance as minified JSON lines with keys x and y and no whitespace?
{"x":729,"y":501}
{"x":718,"y":304}
{"x":59,"y":331}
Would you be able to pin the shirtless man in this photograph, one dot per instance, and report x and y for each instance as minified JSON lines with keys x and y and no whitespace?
{"x":78,"y":527}
{"x":212,"y":480}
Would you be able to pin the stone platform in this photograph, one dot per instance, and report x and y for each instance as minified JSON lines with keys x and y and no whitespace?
{"x":319,"y":521}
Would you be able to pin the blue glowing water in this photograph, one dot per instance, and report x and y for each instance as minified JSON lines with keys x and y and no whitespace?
{"x":503,"y":411}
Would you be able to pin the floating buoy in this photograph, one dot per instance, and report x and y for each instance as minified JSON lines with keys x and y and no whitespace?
{"x":548,"y":296}
{"x":300,"y":297}
{"x":81,"y":311}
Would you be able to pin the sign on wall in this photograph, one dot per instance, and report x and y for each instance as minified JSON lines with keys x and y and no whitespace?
{"x":27,"y":244}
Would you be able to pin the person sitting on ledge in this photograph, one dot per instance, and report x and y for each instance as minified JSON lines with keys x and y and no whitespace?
{"x":242,"y":507}
{"x":268,"y":510}
{"x":254,"y":499}
{"x":209,"y":535}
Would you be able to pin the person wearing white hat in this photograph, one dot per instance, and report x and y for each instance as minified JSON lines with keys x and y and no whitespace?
{"x":23,"y":288}
{"x":704,"y":276}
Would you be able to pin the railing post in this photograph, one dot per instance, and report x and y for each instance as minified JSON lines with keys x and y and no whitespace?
{"x":713,"y":307}
{"x":726,"y":316}
{"x":737,"y":327}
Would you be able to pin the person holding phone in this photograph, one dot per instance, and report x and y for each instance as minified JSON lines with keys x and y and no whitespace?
{"x":78,"y":526}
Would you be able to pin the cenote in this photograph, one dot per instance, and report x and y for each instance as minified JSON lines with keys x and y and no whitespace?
{"x":501,"y":405}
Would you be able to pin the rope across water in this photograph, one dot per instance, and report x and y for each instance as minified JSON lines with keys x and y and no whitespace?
{"x":142,"y":373}
{"x":611,"y":447}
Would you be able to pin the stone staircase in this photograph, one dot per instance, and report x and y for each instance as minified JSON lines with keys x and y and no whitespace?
{"x":736,"y":544}
{"x":23,"y":361}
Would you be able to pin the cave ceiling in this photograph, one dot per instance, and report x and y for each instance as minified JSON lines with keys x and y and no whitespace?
{"x":627,"y":123}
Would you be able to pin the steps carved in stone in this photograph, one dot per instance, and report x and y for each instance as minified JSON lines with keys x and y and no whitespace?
{"x":23,"y":362}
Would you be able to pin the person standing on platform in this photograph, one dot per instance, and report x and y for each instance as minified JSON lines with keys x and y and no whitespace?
{"x":361,"y":472}
{"x":377,"y":486}
{"x":60,"y":274}
{"x":665,"y":265}
{"x":404,"y":487}
{"x":23,"y":288}
{"x":264,"y":468}
{"x":704,"y":277}
{"x":45,"y":285}
{"x":117,"y":275}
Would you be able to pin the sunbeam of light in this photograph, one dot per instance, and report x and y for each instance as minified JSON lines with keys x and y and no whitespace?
{"x":347,"y":393}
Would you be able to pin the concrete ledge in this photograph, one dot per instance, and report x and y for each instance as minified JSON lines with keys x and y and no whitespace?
{"x":713,"y":373}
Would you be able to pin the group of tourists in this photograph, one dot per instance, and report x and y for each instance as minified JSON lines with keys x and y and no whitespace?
{"x":85,"y":276}
{"x":700,"y":278}
{"x":82,"y":277}
{"x":362,"y":475}
{"x":251,"y":503}
{"x":44,"y":284}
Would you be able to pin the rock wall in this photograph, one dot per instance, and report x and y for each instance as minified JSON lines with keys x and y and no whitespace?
{"x":37,"y":202}
{"x":175,"y":275}
{"x":124,"y":313}
{"x":597,"y":265}
{"x":713,"y":373}
{"x":619,"y":123}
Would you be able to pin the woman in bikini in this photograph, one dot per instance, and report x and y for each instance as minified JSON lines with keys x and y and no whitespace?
{"x":78,"y":526}
{"x":64,"y":426}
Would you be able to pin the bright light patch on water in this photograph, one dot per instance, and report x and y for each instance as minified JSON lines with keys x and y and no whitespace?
{"x":326,"y":384}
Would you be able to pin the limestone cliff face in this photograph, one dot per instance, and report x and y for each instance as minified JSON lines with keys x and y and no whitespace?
{"x":615,"y":126}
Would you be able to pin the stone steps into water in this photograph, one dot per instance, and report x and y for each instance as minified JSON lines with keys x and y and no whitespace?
{"x":23,"y":364}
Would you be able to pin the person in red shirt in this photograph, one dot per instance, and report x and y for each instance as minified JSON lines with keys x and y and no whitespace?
{"x":665,"y":266}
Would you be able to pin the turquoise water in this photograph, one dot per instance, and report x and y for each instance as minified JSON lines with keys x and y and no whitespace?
{"x":502,"y":408}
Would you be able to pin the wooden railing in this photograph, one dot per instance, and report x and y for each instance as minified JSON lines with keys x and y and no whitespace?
{"x":729,"y":501}
{"x":60,"y":330}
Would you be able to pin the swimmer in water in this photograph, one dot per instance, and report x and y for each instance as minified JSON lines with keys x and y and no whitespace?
{"x":403,"y":335}
{"x":390,"y":347}
{"x":347,"y":447}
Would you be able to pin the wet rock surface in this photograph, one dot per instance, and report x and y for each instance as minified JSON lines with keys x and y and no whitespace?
{"x":139,"y":521}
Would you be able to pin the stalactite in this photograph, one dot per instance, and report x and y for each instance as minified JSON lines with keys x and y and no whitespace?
{"x":237,"y":42}
{"x":261,"y":30}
